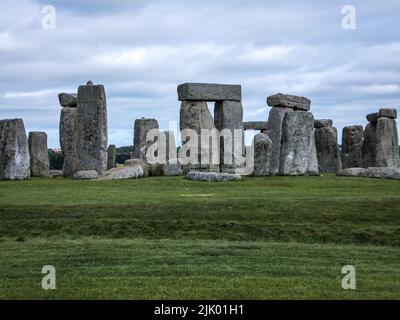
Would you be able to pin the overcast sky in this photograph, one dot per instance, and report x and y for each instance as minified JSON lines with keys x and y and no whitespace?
{"x":141,"y":51}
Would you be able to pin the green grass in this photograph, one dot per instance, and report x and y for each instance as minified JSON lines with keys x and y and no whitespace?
{"x":261,"y":238}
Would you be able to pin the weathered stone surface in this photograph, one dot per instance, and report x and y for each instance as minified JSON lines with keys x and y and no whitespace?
{"x":385,"y":173}
{"x":274,"y":132}
{"x":39,"y":155}
{"x":209,"y":92}
{"x":121,"y":173}
{"x":353,"y":172}
{"x":228,"y":120}
{"x":14,"y":150}
{"x":298,"y":151}
{"x":140,"y":142}
{"x":111,"y":156}
{"x":92,"y":133}
{"x":195,"y":115}
{"x":388,"y":113}
{"x":212,"y":176}
{"x":328,"y":155}
{"x":173,"y":168}
{"x":67,"y":100}
{"x":352,"y":137}
{"x":262,"y":154}
{"x":372,"y":117}
{"x":86,"y":175}
{"x":68,"y":131}
{"x":321,"y":123}
{"x":56,"y":173}
{"x":372,"y":172}
{"x":255,"y":125}
{"x":134,"y":162}
{"x":380,"y":144}
{"x":290,"y":101}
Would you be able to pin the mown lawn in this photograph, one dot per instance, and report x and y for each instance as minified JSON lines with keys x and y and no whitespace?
{"x":171,"y":238}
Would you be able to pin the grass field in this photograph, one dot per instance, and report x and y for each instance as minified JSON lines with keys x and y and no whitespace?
{"x":171,"y":238}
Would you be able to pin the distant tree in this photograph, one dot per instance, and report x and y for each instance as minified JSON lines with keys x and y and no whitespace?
{"x":123,"y":154}
{"x":56,"y":160}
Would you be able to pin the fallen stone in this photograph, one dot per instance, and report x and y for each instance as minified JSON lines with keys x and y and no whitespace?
{"x":134,"y":162}
{"x":67,"y":100}
{"x":68,"y":127}
{"x":14,"y":150}
{"x":353,"y":172}
{"x":56,"y":173}
{"x":321,"y":123}
{"x":255,"y":125}
{"x":228,"y":119}
{"x":274,"y":132}
{"x":209,"y":92}
{"x":328,"y":155}
{"x":140,"y":142}
{"x":262,"y":154}
{"x":352,"y":139}
{"x":39,"y":154}
{"x":290,"y":101}
{"x":388,"y":113}
{"x":212,"y":176}
{"x":86,"y":175}
{"x":111,"y":156}
{"x":121,"y":173}
{"x":92,"y":132}
{"x":372,"y":117}
{"x":384,"y":173}
{"x":298,"y":151}
{"x":173,"y":168}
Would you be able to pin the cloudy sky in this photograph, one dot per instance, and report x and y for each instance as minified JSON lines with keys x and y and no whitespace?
{"x":141,"y":51}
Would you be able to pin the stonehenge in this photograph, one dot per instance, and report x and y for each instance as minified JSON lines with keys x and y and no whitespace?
{"x":14,"y":150}
{"x":352,"y":139}
{"x":380,"y":147}
{"x":39,"y":156}
{"x":290,"y":142}
{"x":329,"y":160}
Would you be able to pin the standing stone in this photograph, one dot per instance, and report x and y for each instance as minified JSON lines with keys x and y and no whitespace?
{"x":352,"y":138}
{"x":111,"y":156}
{"x":327,"y":147}
{"x":298,"y":151}
{"x":170,"y":146}
{"x":274,"y":132}
{"x":68,"y":139}
{"x":228,"y":117}
{"x":92,"y":134}
{"x":380,"y":144}
{"x":14,"y":150}
{"x":140,"y":142}
{"x":262,"y":154}
{"x":195,"y":115}
{"x":39,"y":155}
